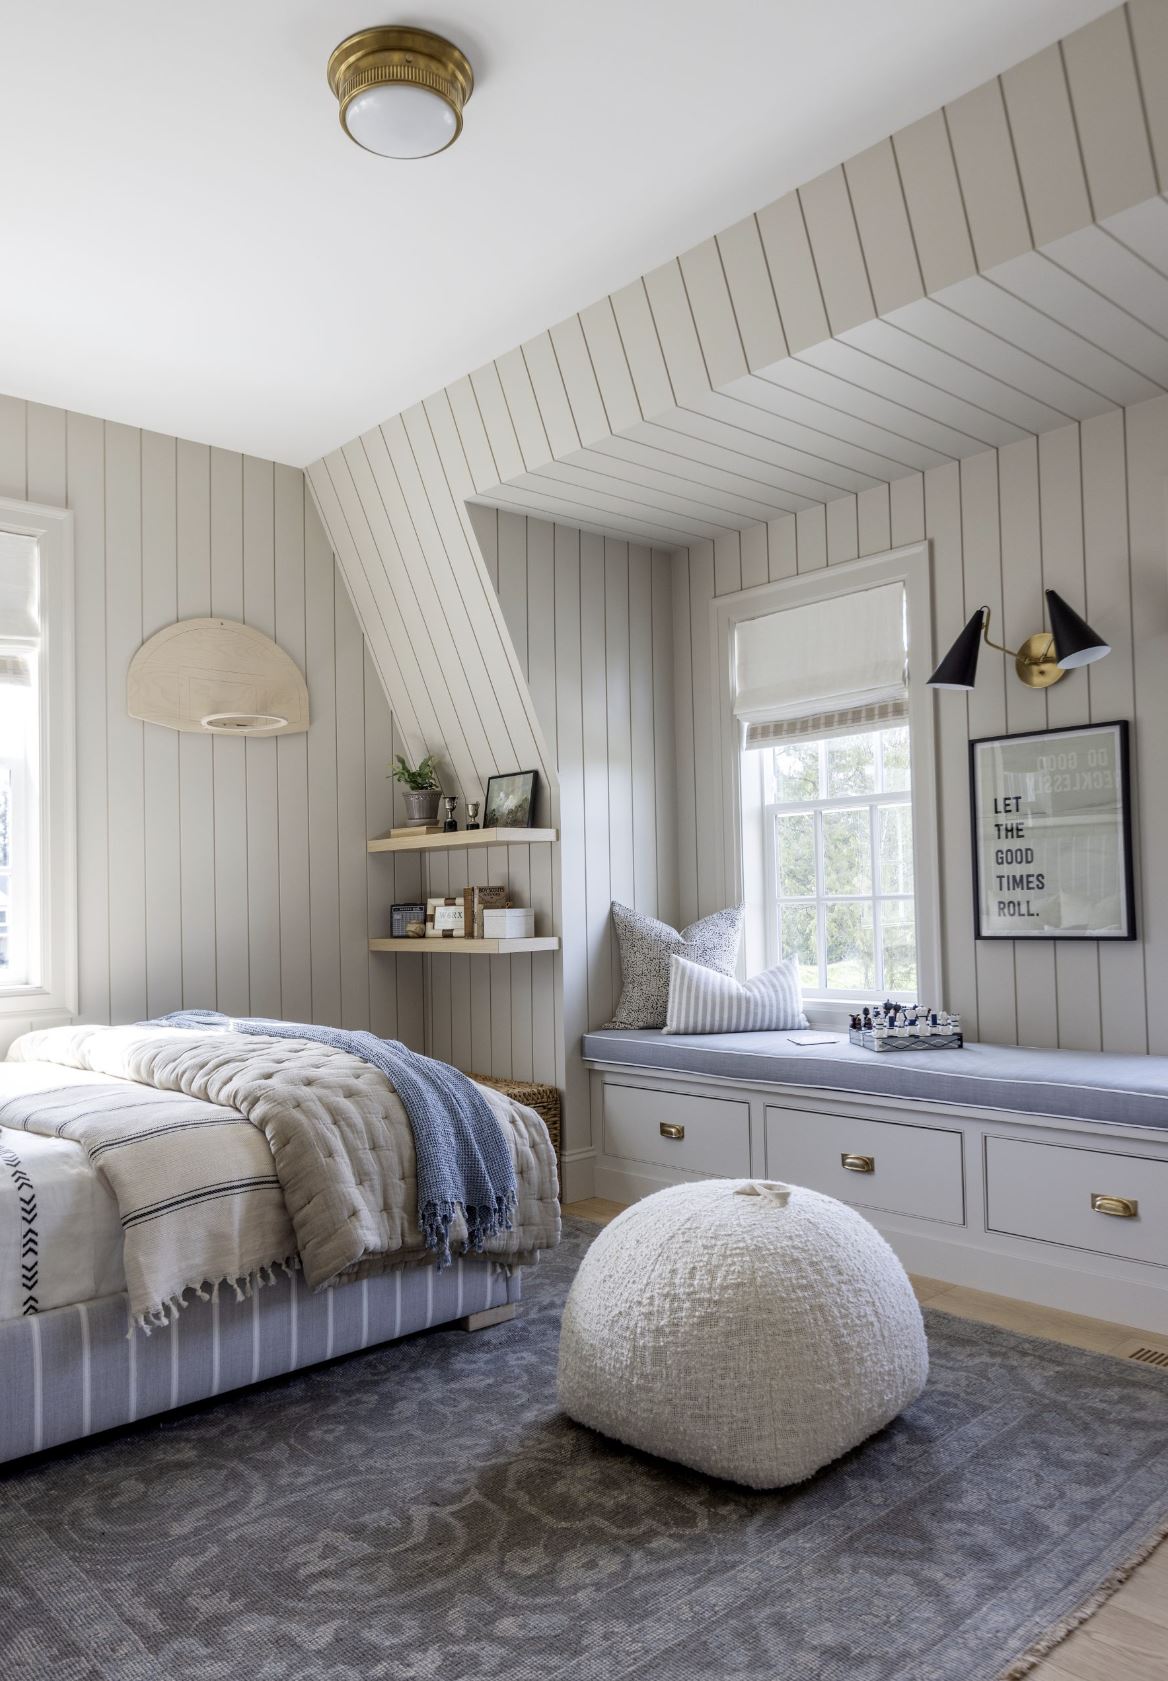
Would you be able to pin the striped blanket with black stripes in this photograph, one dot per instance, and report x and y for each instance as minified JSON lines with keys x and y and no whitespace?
{"x":195,"y":1183}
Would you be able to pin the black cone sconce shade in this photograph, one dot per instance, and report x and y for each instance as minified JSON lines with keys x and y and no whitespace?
{"x":958,"y":670}
{"x":1074,"y":640}
{"x":1041,"y":660}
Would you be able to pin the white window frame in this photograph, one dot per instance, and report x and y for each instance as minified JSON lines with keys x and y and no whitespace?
{"x":909,"y":566}
{"x":54,"y":994}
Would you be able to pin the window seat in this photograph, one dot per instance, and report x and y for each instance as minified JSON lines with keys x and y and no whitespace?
{"x":1091,"y":1086}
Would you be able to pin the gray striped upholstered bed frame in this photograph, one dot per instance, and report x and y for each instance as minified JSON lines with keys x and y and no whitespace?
{"x":72,"y":1371}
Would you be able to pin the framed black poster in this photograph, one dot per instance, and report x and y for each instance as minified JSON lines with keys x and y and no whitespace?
{"x":1052,"y":844}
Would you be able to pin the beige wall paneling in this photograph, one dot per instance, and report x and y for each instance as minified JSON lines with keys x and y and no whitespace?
{"x":1060,"y":490}
{"x":1149,"y":27}
{"x":642,"y":676}
{"x":86,"y":489}
{"x":619,"y":738}
{"x":1108,"y":595}
{"x":576,"y":371}
{"x":792,"y":271}
{"x":782,"y":560}
{"x":924,"y":158}
{"x":811,"y":539}
{"x":707,"y":745}
{"x":353,"y":825}
{"x":573,"y":1001}
{"x":1042,"y":127}
{"x":843,"y":539}
{"x":324,"y":860}
{"x":610,"y":365}
{"x":874,"y":520}
{"x":753,"y":552}
{"x":161,"y":816}
{"x":835,"y":246}
{"x":1147,"y":450}
{"x":882,"y":223}
{"x":987,"y":172}
{"x":228,"y":757}
{"x":677,"y":334}
{"x":704,"y":279}
{"x":1138,"y":352}
{"x":727,"y":563}
{"x":683,"y":715}
{"x":292,"y":508}
{"x":594,"y":712}
{"x":555,"y":412}
{"x":982,"y":557}
{"x":496,"y":418}
{"x":642,"y":349}
{"x":751,"y":293}
{"x":515,"y":382}
{"x":263,"y":809}
{"x":1035,"y":976}
{"x":1109,"y":113}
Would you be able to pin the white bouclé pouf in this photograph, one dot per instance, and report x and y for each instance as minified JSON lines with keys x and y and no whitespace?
{"x":750,"y":1330}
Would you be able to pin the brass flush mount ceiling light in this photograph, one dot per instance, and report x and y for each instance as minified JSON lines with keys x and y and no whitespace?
{"x":401,"y":91}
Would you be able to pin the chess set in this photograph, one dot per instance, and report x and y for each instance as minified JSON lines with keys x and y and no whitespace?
{"x":905,"y":1027}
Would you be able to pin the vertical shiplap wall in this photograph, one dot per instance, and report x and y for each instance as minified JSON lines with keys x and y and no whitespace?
{"x":591,"y":622}
{"x":213,"y":872}
{"x":1083,"y":510}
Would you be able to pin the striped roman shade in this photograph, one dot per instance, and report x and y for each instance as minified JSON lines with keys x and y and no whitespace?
{"x":702,"y":1000}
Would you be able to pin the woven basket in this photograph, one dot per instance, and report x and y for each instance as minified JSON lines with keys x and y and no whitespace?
{"x":545,"y":1100}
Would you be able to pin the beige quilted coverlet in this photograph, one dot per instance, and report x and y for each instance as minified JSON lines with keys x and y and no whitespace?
{"x":339,"y":1137}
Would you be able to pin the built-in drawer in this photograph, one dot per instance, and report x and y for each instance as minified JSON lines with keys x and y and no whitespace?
{"x":889,"y":1165}
{"x":1085,"y":1199}
{"x":708,"y":1135}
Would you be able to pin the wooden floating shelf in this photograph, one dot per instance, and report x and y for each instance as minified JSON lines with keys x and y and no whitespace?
{"x":462,"y":838}
{"x":459,"y":947}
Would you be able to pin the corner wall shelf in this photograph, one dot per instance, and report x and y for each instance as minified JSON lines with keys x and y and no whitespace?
{"x":458,"y":947}
{"x":461,"y":838}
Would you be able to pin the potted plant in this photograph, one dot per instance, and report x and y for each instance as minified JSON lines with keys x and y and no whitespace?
{"x":422,"y":789}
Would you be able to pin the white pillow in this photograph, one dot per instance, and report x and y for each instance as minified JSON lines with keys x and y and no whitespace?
{"x":703,"y":1001}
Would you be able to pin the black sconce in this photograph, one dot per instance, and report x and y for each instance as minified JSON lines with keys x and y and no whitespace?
{"x":1040,"y":661}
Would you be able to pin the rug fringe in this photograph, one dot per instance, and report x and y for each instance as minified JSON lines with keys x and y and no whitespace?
{"x":1055,"y":1636}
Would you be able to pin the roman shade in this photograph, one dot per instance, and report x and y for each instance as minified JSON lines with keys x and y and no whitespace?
{"x":824,"y":668}
{"x":19,"y":591}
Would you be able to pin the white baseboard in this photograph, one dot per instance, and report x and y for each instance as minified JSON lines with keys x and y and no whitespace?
{"x":578,"y":1176}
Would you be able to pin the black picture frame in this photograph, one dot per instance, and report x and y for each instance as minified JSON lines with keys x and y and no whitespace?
{"x":510,"y":800}
{"x":1126,"y":894}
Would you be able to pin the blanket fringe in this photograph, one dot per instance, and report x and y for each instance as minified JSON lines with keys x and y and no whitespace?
{"x":482,"y":1224}
{"x":1111,"y":1585}
{"x":165,"y":1312}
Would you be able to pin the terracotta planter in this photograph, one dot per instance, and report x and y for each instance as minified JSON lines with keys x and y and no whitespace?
{"x":422,"y":808}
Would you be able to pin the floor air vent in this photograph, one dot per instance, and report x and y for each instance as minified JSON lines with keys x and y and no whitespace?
{"x":1148,"y":1355}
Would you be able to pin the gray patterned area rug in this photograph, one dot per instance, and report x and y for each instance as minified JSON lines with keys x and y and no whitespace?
{"x":423,"y":1513}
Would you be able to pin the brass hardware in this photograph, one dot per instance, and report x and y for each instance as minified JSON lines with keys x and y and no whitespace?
{"x":669,"y":1130}
{"x":858,"y":1164}
{"x":1123,"y":1208}
{"x":390,"y":54}
{"x":1034,"y":661}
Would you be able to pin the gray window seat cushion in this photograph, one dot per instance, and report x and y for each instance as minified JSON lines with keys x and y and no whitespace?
{"x":1078,"y":1085}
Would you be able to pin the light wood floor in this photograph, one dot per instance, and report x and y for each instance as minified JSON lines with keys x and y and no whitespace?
{"x":1127,"y":1639}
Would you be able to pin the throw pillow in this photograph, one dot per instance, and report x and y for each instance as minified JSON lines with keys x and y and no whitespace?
{"x":702,"y":1001}
{"x":646,"y":946}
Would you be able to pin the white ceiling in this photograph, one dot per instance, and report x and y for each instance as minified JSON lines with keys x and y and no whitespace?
{"x":192,"y":245}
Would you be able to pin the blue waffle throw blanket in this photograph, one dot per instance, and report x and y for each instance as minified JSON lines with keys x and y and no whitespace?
{"x":464,"y":1165}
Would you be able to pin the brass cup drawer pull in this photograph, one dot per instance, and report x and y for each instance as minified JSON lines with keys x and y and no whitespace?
{"x":1121,"y":1208}
{"x":670,"y":1130}
{"x":858,"y":1164}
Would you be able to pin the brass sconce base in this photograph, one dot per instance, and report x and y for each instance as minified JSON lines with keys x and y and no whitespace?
{"x":1035,"y":664}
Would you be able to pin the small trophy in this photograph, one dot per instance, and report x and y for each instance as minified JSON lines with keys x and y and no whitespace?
{"x":450,"y":827}
{"x":472,"y":814}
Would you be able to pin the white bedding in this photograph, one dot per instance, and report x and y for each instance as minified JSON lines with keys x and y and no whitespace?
{"x":60,"y":1235}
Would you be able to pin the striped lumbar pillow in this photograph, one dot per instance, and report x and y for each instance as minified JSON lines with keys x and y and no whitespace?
{"x":703,"y":1001}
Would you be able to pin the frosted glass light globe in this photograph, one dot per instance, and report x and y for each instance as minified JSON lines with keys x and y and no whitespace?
{"x":401,"y":121}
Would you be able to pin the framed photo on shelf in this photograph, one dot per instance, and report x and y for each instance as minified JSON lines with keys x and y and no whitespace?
{"x":510,"y":800}
{"x":1052,"y":840}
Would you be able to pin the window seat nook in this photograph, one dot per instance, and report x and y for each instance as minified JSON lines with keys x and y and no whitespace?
{"x":1041,"y":1174}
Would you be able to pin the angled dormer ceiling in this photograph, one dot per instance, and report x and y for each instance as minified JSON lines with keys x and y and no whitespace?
{"x":999,"y":268}
{"x":193,"y":245}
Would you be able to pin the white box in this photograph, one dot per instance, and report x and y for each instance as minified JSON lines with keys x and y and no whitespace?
{"x":514,"y":923}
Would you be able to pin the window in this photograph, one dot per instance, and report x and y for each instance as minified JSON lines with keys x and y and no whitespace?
{"x":827,"y":769}
{"x":37,"y":843}
{"x":837,"y":821}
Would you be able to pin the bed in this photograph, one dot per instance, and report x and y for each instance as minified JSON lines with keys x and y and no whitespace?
{"x":185,"y":1213}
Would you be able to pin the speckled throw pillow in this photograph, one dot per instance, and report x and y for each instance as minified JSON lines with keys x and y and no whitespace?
{"x":646,"y":946}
